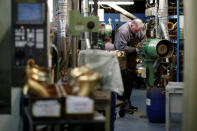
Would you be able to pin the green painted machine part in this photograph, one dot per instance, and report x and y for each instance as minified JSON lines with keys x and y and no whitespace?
{"x":149,"y":66}
{"x":79,"y":24}
{"x":154,"y":50}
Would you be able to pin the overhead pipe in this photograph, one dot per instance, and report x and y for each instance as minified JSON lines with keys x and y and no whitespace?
{"x":122,"y":11}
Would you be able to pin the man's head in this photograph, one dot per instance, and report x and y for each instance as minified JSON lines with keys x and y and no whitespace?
{"x":107,"y":39}
{"x":136,"y":25}
{"x":138,"y":28}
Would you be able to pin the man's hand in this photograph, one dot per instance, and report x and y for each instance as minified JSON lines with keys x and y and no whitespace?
{"x":139,"y":46}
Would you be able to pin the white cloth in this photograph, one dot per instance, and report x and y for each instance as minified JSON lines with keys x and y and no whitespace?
{"x":108,"y":66}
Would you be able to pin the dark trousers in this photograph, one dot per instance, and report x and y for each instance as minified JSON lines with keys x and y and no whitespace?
{"x":128,"y":76}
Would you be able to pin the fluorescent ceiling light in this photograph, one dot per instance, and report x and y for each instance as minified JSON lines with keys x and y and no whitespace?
{"x":120,"y":2}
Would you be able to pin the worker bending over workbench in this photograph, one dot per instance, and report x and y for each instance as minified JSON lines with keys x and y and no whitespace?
{"x":127,"y":37}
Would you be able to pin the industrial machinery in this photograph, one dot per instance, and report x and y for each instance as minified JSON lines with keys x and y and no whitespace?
{"x":30,"y":36}
{"x":79,"y":24}
{"x":154,"y":50}
{"x":156,"y":56}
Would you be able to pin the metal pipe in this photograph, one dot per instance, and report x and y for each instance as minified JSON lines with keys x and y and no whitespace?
{"x":163,"y":4}
{"x":62,"y":18}
{"x":86,"y":12}
{"x":75,"y":5}
{"x":164,"y":28}
{"x":123,"y":11}
{"x":62,"y":23}
{"x":163,"y":17}
{"x":156,"y":21}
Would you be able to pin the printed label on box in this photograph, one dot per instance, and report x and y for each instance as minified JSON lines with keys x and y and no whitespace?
{"x":79,"y":105}
{"x":49,"y":108}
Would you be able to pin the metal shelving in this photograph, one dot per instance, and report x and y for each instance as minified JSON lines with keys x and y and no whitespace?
{"x":178,"y":40}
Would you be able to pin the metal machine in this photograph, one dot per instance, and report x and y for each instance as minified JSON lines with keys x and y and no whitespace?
{"x":154,"y":50}
{"x":156,"y":67}
{"x":30,"y":36}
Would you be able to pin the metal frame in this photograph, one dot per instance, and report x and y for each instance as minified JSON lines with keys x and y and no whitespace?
{"x":178,"y":37}
{"x":172,"y":95}
{"x":54,"y":122}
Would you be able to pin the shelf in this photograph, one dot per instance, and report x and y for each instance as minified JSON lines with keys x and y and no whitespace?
{"x":181,"y":42}
{"x":175,"y":16}
{"x":173,"y":41}
{"x":48,"y":121}
{"x":172,"y":16}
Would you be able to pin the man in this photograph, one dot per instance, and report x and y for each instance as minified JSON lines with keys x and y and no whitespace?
{"x":108,"y":43}
{"x":127,"y":38}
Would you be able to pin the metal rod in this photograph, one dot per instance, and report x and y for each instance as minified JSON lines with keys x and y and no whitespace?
{"x":74,"y":51}
{"x":178,"y":37}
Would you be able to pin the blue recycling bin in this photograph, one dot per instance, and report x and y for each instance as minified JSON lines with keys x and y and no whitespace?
{"x":155,"y":105}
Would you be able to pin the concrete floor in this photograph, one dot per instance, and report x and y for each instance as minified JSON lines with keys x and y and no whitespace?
{"x":139,"y":121}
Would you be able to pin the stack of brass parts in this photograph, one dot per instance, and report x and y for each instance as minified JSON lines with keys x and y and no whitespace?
{"x":37,"y":78}
{"x":84,"y":81}
{"x":38,"y":83}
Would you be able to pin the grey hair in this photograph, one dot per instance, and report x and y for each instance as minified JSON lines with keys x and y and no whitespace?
{"x":138,"y":23}
{"x":141,"y":35}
